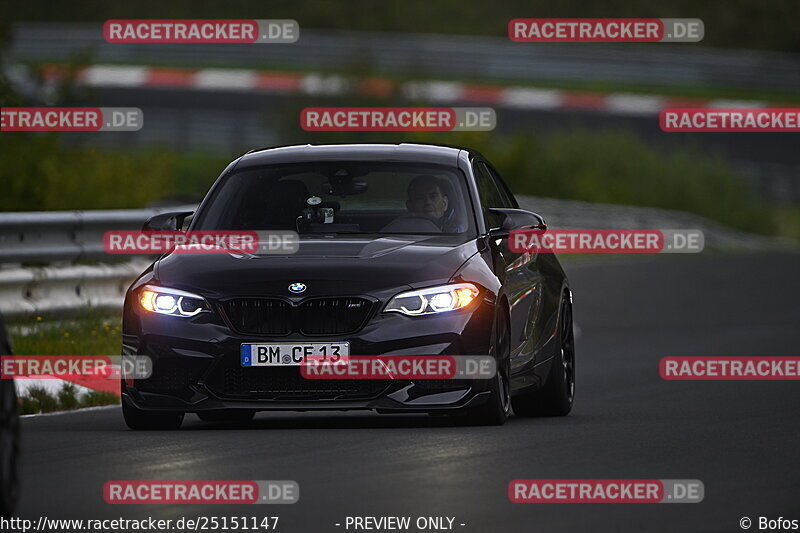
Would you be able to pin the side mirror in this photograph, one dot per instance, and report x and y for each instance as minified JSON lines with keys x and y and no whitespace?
{"x":166,"y":221}
{"x":513,"y":219}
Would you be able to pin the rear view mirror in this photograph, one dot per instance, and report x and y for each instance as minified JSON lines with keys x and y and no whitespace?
{"x":345,"y":187}
{"x":172,"y":221}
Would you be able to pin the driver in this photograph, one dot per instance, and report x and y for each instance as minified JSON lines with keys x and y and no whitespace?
{"x":426,"y":197}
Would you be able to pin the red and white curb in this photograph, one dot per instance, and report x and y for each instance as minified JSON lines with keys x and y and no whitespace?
{"x":277,"y":82}
{"x":53,"y":385}
{"x":72,"y":411}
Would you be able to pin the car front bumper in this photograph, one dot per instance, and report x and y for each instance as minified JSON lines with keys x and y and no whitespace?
{"x":196,"y":365}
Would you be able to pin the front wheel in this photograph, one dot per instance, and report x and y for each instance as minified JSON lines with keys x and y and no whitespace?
{"x":558,"y":393}
{"x":150,"y":420}
{"x":497,"y":408}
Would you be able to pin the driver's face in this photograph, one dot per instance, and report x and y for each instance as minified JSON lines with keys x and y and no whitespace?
{"x":427,"y":199}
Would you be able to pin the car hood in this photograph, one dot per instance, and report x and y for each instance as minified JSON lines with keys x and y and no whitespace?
{"x":339,"y":265}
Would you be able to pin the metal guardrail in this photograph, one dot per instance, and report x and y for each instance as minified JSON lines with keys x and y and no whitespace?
{"x":58,"y":238}
{"x":436,"y":55}
{"x":64,"y":236}
{"x":30,"y":291}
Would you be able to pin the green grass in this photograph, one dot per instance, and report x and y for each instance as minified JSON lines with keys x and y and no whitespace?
{"x":68,"y":396}
{"x":605,"y":166}
{"x":617,"y":168}
{"x":95,"y":398}
{"x":40,"y":400}
{"x":37,"y":400}
{"x":90,"y":332}
{"x":788,"y":221}
{"x":39,"y":173}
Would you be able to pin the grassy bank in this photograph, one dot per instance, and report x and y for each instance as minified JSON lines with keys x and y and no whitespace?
{"x":89,"y":332}
{"x":617,"y":168}
{"x":38,"y":400}
{"x":599,"y":166}
{"x":39,"y":173}
{"x":85,"y":333}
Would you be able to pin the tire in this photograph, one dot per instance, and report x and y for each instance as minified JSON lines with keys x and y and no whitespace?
{"x":150,"y":420}
{"x":497,"y":408}
{"x":558,"y":394}
{"x":226,"y":415}
{"x":9,"y":449}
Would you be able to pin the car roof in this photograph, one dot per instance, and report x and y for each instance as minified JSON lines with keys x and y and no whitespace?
{"x":411,"y":152}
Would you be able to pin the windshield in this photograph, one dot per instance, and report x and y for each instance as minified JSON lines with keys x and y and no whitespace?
{"x":342,"y":197}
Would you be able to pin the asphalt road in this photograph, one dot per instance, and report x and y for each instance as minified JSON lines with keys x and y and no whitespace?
{"x":740,"y":438}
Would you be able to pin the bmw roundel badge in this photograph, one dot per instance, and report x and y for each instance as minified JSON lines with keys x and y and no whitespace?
{"x":297,"y":287}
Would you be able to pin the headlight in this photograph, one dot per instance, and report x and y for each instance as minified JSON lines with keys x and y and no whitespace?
{"x":434,"y":299}
{"x":171,"y":301}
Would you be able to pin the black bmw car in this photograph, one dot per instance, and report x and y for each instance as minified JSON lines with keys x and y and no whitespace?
{"x":402,"y":249}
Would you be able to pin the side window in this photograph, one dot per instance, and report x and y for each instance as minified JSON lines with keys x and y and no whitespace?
{"x":508,"y":198}
{"x":489,"y":194}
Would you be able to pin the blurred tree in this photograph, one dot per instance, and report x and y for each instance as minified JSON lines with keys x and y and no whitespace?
{"x":729,"y":23}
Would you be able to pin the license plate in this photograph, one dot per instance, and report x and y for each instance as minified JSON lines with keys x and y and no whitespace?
{"x":294,"y":354}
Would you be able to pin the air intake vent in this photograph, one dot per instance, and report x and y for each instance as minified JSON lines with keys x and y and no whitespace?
{"x":318,"y":316}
